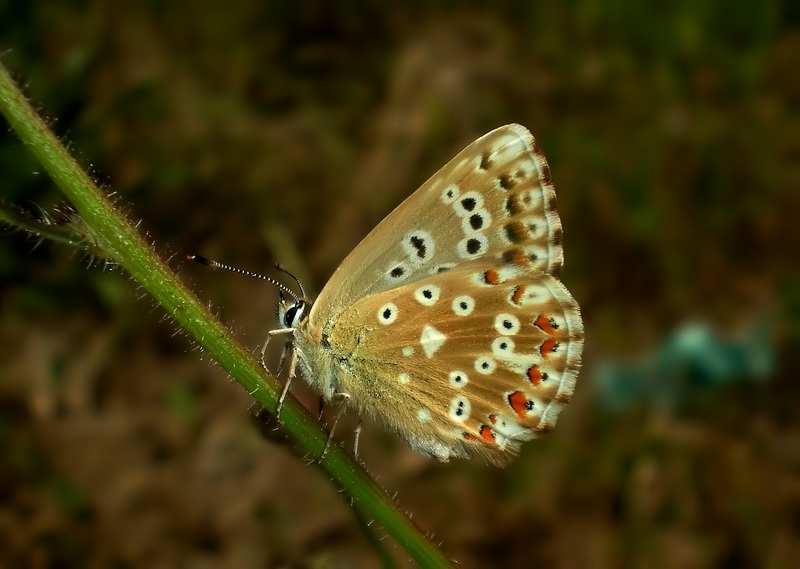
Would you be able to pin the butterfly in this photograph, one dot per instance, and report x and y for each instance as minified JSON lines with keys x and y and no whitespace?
{"x":447,"y":324}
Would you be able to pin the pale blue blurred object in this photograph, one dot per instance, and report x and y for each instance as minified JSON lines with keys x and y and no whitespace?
{"x":690,"y":361}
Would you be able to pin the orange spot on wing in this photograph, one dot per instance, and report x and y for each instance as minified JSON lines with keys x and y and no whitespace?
{"x":515,"y":256}
{"x":515,"y":232}
{"x":493,"y":418}
{"x":487,"y":433}
{"x":534,"y":375}
{"x":545,"y":324}
{"x":548,"y":347}
{"x":491,"y":277}
{"x":469,"y":436}
{"x":519,"y":403}
{"x":516,"y":298}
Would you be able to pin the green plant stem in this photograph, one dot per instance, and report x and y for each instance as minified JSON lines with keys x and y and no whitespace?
{"x":117,"y":236}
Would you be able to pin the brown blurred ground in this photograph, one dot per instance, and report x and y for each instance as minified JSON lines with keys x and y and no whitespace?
{"x":254,"y":134}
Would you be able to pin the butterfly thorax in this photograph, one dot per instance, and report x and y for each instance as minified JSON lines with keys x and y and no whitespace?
{"x":331,"y":351}
{"x":321,"y":361}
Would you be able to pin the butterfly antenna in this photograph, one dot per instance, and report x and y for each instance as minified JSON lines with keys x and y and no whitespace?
{"x":217,"y":265}
{"x":299,"y":284}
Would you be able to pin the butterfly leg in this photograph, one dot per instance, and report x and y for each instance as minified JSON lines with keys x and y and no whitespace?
{"x":289,"y":378}
{"x":356,"y":438}
{"x":282,"y":361}
{"x":270,"y":335}
{"x":344,"y":397}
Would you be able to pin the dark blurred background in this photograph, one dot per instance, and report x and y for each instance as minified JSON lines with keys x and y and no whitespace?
{"x":259,"y":132}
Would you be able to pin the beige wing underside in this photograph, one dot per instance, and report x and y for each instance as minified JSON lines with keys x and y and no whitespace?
{"x":471,"y":361}
{"x":493,"y":199}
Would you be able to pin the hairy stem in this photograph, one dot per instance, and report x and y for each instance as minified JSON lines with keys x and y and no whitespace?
{"x":119,"y":239}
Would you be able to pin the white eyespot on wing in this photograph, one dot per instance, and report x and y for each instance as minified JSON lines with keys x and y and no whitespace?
{"x":419,"y":245}
{"x":403,"y":378}
{"x":467,"y":203}
{"x":472,"y":247}
{"x":476,"y":222}
{"x":463,"y":305}
{"x":537,"y":228}
{"x":525,"y":170}
{"x":458,"y":379}
{"x":387,"y":314}
{"x":397,"y":272}
{"x":450,"y":194}
{"x":460,"y":408}
{"x":538,"y":256}
{"x":431,"y":340}
{"x":408,"y":351}
{"x":428,"y":295}
{"x":485,"y":365}
{"x":503,"y":346}
{"x":528,"y":200}
{"x":506,"y":324}
{"x":424,"y":415}
{"x":528,"y":294}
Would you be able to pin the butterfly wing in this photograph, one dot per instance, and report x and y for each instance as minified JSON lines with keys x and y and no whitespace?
{"x":494,"y":198}
{"x":472,"y":361}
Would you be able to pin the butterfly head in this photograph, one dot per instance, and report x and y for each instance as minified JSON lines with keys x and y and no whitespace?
{"x":291,"y":310}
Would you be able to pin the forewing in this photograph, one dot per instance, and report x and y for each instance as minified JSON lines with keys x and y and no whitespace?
{"x":493,"y":199}
{"x":474,"y":360}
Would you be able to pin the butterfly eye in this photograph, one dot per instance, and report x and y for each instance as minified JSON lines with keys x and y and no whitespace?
{"x":294,"y":314}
